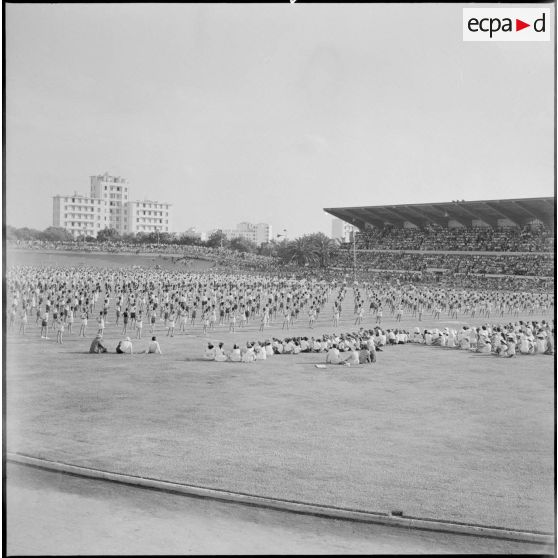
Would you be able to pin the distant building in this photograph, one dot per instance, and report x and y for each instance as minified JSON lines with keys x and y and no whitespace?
{"x":148,"y":216}
{"x":341,"y":230}
{"x":259,"y":233}
{"x":114,"y":190}
{"x":80,"y":214}
{"x":264,"y":233}
{"x":109,"y":206}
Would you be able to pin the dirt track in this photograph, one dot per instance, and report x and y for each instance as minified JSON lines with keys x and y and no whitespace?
{"x":52,"y":513}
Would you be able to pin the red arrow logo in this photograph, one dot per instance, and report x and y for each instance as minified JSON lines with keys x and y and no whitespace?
{"x":519,"y":25}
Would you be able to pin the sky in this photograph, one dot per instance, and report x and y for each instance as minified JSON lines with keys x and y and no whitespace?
{"x":270,"y":112}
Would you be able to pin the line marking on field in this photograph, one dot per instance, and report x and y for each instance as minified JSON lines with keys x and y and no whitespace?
{"x":304,"y":508}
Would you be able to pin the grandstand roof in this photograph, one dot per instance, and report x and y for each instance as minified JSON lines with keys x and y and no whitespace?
{"x":520,"y":211}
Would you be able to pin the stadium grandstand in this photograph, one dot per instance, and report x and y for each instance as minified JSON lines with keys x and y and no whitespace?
{"x":491,"y":238}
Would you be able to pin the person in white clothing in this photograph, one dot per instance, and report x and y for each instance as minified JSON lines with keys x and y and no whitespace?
{"x":249,"y":355}
{"x":220,"y":355}
{"x":332,"y":356}
{"x":268,"y":349}
{"x":154,"y":347}
{"x":260,"y":353}
{"x":235,"y":354}
{"x":209,"y":353}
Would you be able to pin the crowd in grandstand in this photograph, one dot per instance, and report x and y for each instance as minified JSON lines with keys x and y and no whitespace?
{"x":526,"y":264}
{"x":433,"y":237}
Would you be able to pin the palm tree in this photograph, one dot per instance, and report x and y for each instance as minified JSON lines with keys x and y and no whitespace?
{"x":301,"y":251}
{"x":324,"y":248}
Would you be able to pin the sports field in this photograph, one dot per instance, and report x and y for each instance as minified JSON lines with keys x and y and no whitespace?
{"x":436,"y":433}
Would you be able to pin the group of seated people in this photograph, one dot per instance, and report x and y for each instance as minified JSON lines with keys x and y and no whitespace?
{"x":350,"y":348}
{"x":526,"y":338}
{"x":124,"y":346}
{"x":361,"y":347}
{"x":531,"y":238}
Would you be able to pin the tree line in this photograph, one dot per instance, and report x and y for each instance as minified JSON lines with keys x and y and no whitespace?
{"x":315,"y":250}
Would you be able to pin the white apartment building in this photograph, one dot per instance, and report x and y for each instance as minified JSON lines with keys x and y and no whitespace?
{"x":80,"y":214}
{"x":259,"y":233}
{"x":340,"y":230}
{"x":148,"y":216}
{"x":264,"y":233}
{"x":109,"y":206}
{"x":114,"y":190}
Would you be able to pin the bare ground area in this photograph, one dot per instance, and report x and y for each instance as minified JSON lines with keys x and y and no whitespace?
{"x":57,"y":514}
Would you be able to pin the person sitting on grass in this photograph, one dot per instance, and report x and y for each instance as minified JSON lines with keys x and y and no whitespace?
{"x":483,"y":341}
{"x":332,"y":356}
{"x":154,"y":347}
{"x":210,"y":352}
{"x":509,"y":348}
{"x":235,"y":354}
{"x":353,"y":359}
{"x":380,"y":339}
{"x":277,"y":346}
{"x":97,"y":346}
{"x":260,"y":353}
{"x":549,"y":345}
{"x":540,"y":343}
{"x":249,"y":355}
{"x":220,"y":355}
{"x":435,"y":338}
{"x":464,"y":339}
{"x":269,"y":349}
{"x":125,"y":347}
{"x":365,"y":356}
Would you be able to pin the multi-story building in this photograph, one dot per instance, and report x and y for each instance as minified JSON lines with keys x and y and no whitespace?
{"x":114,"y":190}
{"x":340,"y":230}
{"x":148,"y":216}
{"x":259,"y":234}
{"x":80,"y":214}
{"x":109,"y":206}
{"x":263,"y":233}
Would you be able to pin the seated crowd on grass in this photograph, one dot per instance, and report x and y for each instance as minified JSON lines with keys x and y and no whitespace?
{"x":526,"y":338}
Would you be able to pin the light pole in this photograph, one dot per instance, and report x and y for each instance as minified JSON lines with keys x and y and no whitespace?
{"x":354,"y":254}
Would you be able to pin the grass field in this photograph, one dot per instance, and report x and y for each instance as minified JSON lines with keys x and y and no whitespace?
{"x":432,"y":432}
